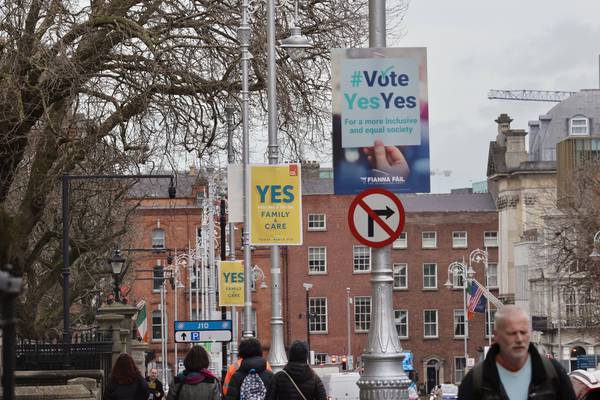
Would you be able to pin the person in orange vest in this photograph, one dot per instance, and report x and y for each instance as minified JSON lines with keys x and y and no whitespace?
{"x":233,"y":368}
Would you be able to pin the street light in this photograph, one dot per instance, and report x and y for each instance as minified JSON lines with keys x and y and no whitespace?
{"x":596,"y":252}
{"x":348,"y":329}
{"x":458,"y":269}
{"x":307,"y":287}
{"x":478,"y":256}
{"x":116,"y":265}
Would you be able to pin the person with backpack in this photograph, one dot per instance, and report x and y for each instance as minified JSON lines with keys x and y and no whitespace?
{"x":297,"y":380}
{"x":252,"y":380}
{"x":513,"y":368}
{"x":196,"y":382}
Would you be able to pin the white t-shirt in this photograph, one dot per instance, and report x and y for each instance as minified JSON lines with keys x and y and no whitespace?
{"x":516,"y":384}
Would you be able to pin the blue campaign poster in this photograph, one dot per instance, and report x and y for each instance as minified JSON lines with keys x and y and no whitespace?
{"x":380,"y":120}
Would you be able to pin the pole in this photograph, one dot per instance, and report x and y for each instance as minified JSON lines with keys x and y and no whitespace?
{"x":488,"y":311}
{"x":212,"y":300}
{"x":560,"y":355}
{"x":244,"y":35}
{"x":66,"y":269}
{"x":176,"y":280}
{"x":308,"y":321}
{"x":277,"y":356}
{"x":466,"y":320}
{"x":10,"y":286}
{"x":222,"y":223}
{"x":383,"y":376}
{"x":231,"y":159}
{"x":348,"y":329}
{"x":162,"y":333}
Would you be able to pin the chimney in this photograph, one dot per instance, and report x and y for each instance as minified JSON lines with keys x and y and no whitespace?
{"x":503,"y":122}
{"x":515,"y":148}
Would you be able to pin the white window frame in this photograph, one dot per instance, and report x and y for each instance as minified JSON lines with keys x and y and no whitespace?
{"x":459,"y":373}
{"x":457,"y":279}
{"x":489,"y":324}
{"x":574,"y":125}
{"x":401,"y":242}
{"x":492,"y":279}
{"x":319,"y":313}
{"x":314,"y":222}
{"x":458,"y":241}
{"x":362,"y":320}
{"x":312,"y":257}
{"x":157,"y":314}
{"x":429,"y":242}
{"x":490,"y":239}
{"x":399,"y":323}
{"x":458,"y":319}
{"x":159,"y":238}
{"x":426,"y":323}
{"x":397,"y":268}
{"x":429,"y":276}
{"x":358,"y":258}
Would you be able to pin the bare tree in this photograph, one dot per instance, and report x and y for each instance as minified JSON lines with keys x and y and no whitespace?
{"x":110,"y":85}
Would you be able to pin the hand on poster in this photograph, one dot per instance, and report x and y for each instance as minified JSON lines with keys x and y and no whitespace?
{"x":388,"y":159}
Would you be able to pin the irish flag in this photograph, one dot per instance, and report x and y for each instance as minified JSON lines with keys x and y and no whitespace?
{"x":141,"y":321}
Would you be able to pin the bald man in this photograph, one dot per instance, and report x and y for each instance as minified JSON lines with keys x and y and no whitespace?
{"x":513,"y":369}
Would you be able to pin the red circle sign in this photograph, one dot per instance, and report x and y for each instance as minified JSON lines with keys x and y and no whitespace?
{"x":376,"y":217}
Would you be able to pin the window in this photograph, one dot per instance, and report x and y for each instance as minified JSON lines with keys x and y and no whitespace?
{"x":459,"y":323}
{"x":429,"y":276}
{"x":157,"y":325}
{"x":457,"y":278}
{"x":429,"y":240}
{"x":320,"y":358}
{"x":158,"y":238}
{"x":317,"y":260}
{"x":158,"y":274}
{"x":492,"y":275}
{"x":401,"y":242}
{"x":401,"y":321}
{"x":362,"y":258}
{"x":578,"y":126}
{"x":490,"y":239}
{"x":317,"y":309}
{"x":400,"y":276}
{"x":459,"y":239}
{"x":459,"y":369}
{"x":316,"y":222}
{"x":430,"y":323}
{"x":362,"y":313}
{"x":489,"y":323}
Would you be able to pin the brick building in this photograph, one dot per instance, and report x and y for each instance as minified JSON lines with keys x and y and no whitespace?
{"x":440,"y":229}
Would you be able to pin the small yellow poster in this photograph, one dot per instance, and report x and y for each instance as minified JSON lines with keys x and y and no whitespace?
{"x":231,"y":283}
{"x":275,"y":205}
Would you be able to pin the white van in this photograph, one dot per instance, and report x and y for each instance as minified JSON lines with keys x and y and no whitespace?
{"x":341,"y":386}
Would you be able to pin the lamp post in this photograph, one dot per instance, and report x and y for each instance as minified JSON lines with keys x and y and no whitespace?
{"x":116,"y":265}
{"x":478,"y":256}
{"x":459,"y":269}
{"x":348,"y":329}
{"x":307,"y":287}
{"x":66,"y":272}
{"x":595,"y":254}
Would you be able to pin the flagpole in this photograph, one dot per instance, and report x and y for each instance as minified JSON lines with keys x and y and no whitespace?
{"x":487,"y":301}
{"x":465,"y":311}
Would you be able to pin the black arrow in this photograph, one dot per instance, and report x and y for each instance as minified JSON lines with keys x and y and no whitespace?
{"x":387,"y":213}
{"x":183,"y":335}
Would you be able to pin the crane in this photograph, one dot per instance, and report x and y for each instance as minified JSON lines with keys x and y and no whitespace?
{"x":530,"y":95}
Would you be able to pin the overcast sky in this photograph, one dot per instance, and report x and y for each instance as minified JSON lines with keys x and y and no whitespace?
{"x":474,"y":46}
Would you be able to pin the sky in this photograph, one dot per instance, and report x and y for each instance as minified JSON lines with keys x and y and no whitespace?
{"x":477,"y":45}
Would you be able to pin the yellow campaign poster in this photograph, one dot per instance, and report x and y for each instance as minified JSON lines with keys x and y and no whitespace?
{"x":231,"y":283}
{"x":275,"y":205}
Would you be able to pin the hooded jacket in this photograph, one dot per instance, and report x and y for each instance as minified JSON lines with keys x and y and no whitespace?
{"x":541,"y":387}
{"x":260,"y":366}
{"x":191,"y":385}
{"x":305,"y":378}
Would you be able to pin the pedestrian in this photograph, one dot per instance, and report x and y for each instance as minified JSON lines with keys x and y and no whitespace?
{"x":513,"y":368}
{"x":126,"y":382}
{"x":231,"y":370}
{"x":196,"y":382}
{"x":155,"y":385}
{"x":297,"y":380}
{"x":252,"y":380}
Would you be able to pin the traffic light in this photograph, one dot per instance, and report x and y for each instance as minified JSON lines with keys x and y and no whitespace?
{"x":344,"y":363}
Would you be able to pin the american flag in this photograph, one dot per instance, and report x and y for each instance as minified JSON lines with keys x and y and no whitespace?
{"x":476,"y":300}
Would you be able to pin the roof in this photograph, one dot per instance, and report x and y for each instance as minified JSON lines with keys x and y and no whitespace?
{"x":159,"y":188}
{"x":418,"y":202}
{"x":554,"y":125}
